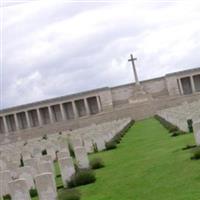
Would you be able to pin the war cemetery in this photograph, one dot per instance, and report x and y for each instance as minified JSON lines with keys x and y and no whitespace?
{"x":135,"y":141}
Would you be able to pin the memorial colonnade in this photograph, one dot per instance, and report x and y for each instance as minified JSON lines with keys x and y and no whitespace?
{"x":49,"y":113}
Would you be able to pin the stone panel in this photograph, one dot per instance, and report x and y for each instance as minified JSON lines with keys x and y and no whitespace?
{"x":22,"y":120}
{"x":197,"y":82}
{"x":80,"y":105}
{"x":68,"y":108}
{"x":172,"y":85}
{"x":2,"y":128}
{"x":45,"y":115}
{"x":33,"y":118}
{"x":11,"y":123}
{"x":186,"y":85}
{"x":57,"y":115}
{"x":106,"y":100}
{"x":93,"y":106}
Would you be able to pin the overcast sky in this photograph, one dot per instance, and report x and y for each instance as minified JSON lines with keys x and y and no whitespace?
{"x":54,"y":48}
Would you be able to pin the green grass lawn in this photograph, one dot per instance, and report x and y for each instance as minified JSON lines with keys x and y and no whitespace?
{"x":147,"y":165}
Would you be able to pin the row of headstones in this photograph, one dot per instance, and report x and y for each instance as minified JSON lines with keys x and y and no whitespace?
{"x":42,"y":166}
{"x":18,"y":189}
{"x":96,"y":139}
{"x":11,"y":162}
{"x":180,"y":115}
{"x":89,"y":141}
{"x":12,"y":155}
{"x":99,"y":129}
{"x":26,"y":156}
{"x":46,"y":168}
{"x":40,"y":174}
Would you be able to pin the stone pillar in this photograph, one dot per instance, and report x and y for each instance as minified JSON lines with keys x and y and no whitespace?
{"x":86,"y":106}
{"x":50,"y":114}
{"x":62,"y":112}
{"x":27,"y":119}
{"x":192,"y":84}
{"x":5,"y":124}
{"x":180,"y":85}
{"x":74,"y":110}
{"x":16,"y":122}
{"x":98,"y":103}
{"x":39,"y":117}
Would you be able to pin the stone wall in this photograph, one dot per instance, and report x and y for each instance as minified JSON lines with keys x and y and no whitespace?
{"x":157,"y":87}
{"x":136,"y":112}
{"x":176,"y":81}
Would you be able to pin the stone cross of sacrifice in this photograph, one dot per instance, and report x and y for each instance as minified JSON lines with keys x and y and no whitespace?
{"x":132,"y":60}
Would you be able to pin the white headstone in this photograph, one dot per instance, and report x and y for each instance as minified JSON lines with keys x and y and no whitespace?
{"x":3,"y":165}
{"x":33,"y":162}
{"x":63,"y":145}
{"x":26,"y":155}
{"x":5,"y":178}
{"x":46,"y":158}
{"x":81,"y":158}
{"x":63,"y":154}
{"x":100,"y":143}
{"x":67,"y":169}
{"x":45,"y":186}
{"x":37,"y":151}
{"x":27,"y":173}
{"x":45,"y":166}
{"x":196,"y":127}
{"x":76,"y":142}
{"x":19,"y":190}
{"x":88,"y":144}
{"x":52,"y":153}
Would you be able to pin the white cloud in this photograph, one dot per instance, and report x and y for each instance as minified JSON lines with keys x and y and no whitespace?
{"x":56,"y":48}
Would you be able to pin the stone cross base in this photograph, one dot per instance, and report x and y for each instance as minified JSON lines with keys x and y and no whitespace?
{"x":140,"y":96}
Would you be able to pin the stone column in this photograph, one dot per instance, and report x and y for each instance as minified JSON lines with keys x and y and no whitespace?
{"x":50,"y":114}
{"x":74,"y":110}
{"x":27,"y":119}
{"x":63,"y":112}
{"x":5,"y":124}
{"x":16,"y":122}
{"x":180,"y":85}
{"x":98,"y":103}
{"x":86,"y":106}
{"x":39,"y":117}
{"x":192,"y":84}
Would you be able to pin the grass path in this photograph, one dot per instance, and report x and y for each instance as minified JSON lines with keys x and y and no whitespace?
{"x":147,"y":165}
